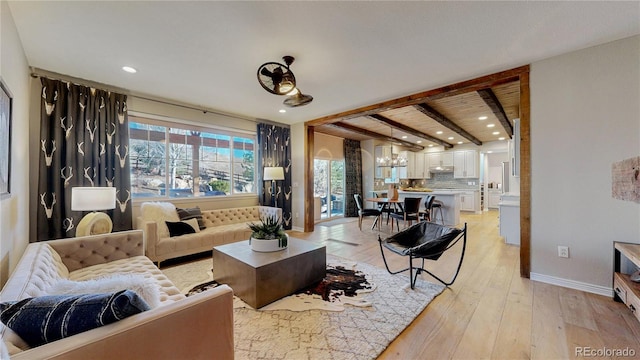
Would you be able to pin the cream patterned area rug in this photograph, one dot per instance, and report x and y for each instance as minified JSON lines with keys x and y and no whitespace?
{"x":358,"y":332}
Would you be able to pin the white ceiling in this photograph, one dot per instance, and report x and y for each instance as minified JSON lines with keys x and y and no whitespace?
{"x":348,"y":54}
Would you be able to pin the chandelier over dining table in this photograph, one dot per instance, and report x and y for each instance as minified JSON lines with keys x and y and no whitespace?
{"x":393,"y":159}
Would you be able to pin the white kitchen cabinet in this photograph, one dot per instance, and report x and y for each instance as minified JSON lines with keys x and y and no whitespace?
{"x":468,"y":201}
{"x":435,"y":159}
{"x":440,"y":158}
{"x":447,"y":158}
{"x":465,"y":164}
{"x":510,"y":218}
{"x":411,"y":158}
{"x":494,"y":199}
{"x":403,"y":171}
{"x":419,"y":169}
{"x":424,"y":161}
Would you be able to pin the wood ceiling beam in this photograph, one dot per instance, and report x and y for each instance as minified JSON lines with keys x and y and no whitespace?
{"x":376,"y":135}
{"x":410,"y":130}
{"x":444,"y":121}
{"x":463,"y":87}
{"x":493,"y":103}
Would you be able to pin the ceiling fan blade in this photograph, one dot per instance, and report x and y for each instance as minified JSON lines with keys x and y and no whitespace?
{"x":266,"y":72}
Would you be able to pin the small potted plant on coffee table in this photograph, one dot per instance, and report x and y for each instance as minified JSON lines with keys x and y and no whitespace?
{"x":268,"y":235}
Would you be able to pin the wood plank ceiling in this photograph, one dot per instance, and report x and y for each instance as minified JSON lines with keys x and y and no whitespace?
{"x":442,"y":120}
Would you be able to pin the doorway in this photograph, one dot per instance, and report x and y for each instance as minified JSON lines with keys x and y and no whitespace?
{"x":328,"y":186}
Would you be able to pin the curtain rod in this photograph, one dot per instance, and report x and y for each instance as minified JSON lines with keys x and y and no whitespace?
{"x":35,"y":74}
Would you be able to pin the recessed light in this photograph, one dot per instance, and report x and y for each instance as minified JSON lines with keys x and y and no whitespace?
{"x":491,"y":125}
{"x":439,"y":132}
{"x":430,"y":145}
{"x":419,"y":141}
{"x":282,"y":111}
{"x":500,"y":138}
{"x":489,"y":152}
{"x":450,"y":138}
{"x":459,"y":142}
{"x":496,"y":133}
{"x":404,"y":136}
{"x":482,"y":118}
{"x":129,"y":69}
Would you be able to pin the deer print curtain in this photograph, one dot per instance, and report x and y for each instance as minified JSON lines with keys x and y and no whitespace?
{"x":352,"y":176}
{"x":274,"y":144}
{"x":84,"y":141}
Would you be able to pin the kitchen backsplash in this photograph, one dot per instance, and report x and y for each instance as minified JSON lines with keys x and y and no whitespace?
{"x":437,"y":181}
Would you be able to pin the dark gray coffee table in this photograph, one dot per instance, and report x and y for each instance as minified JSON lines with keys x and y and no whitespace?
{"x":262,"y":278}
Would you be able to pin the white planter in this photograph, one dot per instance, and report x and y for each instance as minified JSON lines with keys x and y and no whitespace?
{"x":271,"y":245}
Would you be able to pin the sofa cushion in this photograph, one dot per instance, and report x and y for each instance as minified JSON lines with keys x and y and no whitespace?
{"x":191,"y":213}
{"x":159,"y":212}
{"x":179,"y":228}
{"x":141,"y":265}
{"x":231,"y":216}
{"x":40,"y":320}
{"x":146,"y":288}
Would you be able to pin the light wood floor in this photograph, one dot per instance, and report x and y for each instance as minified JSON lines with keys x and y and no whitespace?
{"x":490,"y":312}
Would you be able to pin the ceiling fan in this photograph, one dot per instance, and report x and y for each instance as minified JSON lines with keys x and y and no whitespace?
{"x":278,"y":79}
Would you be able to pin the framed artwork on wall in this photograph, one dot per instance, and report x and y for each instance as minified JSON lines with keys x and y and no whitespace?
{"x":5,"y":140}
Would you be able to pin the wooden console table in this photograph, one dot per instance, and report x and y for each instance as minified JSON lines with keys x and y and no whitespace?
{"x":626,"y":259}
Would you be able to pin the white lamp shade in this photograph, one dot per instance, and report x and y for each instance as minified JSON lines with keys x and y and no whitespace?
{"x":93,"y":198}
{"x":273,"y":173}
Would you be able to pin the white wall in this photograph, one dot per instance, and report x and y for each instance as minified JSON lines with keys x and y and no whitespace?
{"x":14,"y":213}
{"x":585,"y":115}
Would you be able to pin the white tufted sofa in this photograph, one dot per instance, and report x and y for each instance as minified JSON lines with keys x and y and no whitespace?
{"x":194,"y":327}
{"x":223,"y":226}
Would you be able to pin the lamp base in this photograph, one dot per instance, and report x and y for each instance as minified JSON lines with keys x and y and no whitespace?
{"x":94,"y":223}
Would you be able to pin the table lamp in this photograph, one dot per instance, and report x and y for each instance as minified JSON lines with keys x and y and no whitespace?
{"x":93,"y":199}
{"x":273,"y":173}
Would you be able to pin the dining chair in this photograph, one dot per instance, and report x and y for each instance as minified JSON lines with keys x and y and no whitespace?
{"x":428,"y":207}
{"x":410,"y":212}
{"x":436,"y":205}
{"x":362,"y":212}
{"x":385,"y":208}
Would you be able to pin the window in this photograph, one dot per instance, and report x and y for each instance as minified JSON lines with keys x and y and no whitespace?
{"x":179,"y":160}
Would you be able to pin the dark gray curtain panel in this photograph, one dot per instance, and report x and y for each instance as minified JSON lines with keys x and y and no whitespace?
{"x":274,"y":150}
{"x":352,"y":176}
{"x":84,"y":141}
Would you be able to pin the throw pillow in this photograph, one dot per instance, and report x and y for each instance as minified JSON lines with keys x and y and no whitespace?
{"x":159,"y":212}
{"x":146,"y":288}
{"x":191,"y":213}
{"x":193,"y":223}
{"x":179,"y":228}
{"x":44,"y":319}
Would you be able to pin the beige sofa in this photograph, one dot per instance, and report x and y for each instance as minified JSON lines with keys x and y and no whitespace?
{"x":195,"y":327}
{"x":223,"y":226}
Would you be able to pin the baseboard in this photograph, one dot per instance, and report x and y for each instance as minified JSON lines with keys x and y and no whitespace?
{"x":297,"y":228}
{"x":572,"y":284}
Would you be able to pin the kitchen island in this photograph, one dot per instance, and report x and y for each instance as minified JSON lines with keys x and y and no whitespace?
{"x":450,"y":203}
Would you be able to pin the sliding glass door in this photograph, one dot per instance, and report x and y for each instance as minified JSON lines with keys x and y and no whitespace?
{"x":329,"y":187}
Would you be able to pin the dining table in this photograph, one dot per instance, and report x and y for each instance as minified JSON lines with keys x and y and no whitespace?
{"x":383,"y":201}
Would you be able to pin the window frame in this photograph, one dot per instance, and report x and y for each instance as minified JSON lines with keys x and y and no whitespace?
{"x":185,"y":125}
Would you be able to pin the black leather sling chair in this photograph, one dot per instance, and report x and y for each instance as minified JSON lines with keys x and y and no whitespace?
{"x":424,"y":240}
